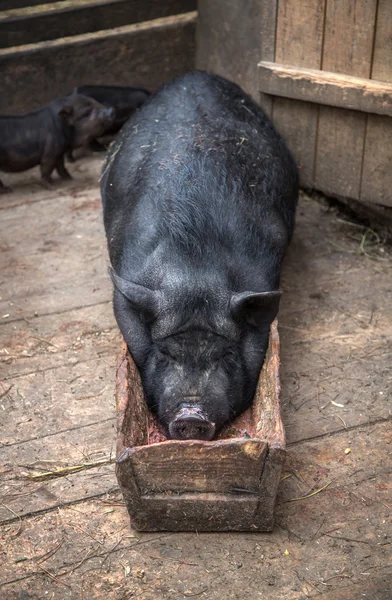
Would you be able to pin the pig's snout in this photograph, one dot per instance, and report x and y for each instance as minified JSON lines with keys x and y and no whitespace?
{"x":191,"y":423}
{"x":110,"y":114}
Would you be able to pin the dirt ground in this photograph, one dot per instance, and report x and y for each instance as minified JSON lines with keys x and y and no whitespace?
{"x":70,"y":536}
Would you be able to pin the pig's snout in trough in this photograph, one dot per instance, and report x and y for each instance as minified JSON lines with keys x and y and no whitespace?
{"x":191,"y":423}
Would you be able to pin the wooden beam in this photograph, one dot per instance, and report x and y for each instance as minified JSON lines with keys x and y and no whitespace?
{"x":325,"y":87}
{"x":67,"y":18}
{"x":144,"y":54}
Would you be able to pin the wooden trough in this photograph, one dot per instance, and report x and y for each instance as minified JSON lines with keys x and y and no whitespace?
{"x":228,"y":484}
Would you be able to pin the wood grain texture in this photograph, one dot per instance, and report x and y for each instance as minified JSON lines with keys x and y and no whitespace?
{"x":223,"y":466}
{"x":229,"y":41}
{"x":266,"y":409}
{"x":341,"y":138}
{"x":382,"y":59}
{"x":68,"y":18}
{"x":299,"y":39}
{"x":197,"y":485}
{"x":348,"y":41}
{"x":12,"y":4}
{"x":299,"y":33}
{"x":112,"y":57}
{"x":349,"y":31}
{"x":376,"y":184}
{"x":268,"y":23}
{"x":326,"y":87}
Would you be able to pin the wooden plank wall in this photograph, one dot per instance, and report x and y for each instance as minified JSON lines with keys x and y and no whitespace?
{"x":229,"y":38}
{"x":53,"y":21}
{"x":341,"y":152}
{"x":299,"y":37}
{"x":376,"y":182}
{"x":143,"y":54}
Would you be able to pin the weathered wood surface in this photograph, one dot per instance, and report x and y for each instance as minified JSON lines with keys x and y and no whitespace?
{"x":229,"y":484}
{"x":114,"y":57}
{"x":336,"y":346}
{"x":341,"y":134}
{"x":67,"y":18}
{"x":325,"y":87}
{"x":335,"y":54}
{"x":382,"y":58}
{"x":299,"y":42}
{"x":229,"y":40}
{"x":12,"y":4}
{"x":268,"y":14}
{"x":333,"y":538}
{"x":91,"y":447}
{"x":376,"y":184}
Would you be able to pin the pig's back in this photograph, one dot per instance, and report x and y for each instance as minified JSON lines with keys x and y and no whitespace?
{"x":199,"y":171}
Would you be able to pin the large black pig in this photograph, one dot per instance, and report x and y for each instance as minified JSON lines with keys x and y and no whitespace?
{"x":44,"y":136}
{"x":199,"y":195}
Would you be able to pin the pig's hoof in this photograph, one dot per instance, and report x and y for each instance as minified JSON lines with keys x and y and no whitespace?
{"x":65,"y":175}
{"x":48,"y":184}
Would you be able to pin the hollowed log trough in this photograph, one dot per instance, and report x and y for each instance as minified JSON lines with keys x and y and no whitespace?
{"x":228,"y":484}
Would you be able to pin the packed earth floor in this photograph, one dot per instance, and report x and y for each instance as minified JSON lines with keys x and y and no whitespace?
{"x":65,"y":532}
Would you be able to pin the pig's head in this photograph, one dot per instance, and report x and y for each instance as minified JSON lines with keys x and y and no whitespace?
{"x":199,"y":355}
{"x":87,"y":118}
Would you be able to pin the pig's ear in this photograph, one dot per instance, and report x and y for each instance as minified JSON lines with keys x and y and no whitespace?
{"x":141,"y":298}
{"x":67,"y":112}
{"x":257,"y":308}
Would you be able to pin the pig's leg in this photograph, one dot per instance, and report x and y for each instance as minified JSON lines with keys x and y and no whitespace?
{"x":4,"y":189}
{"x":61,"y":170}
{"x":46,"y":174}
{"x":70,"y":156}
{"x":48,"y":162}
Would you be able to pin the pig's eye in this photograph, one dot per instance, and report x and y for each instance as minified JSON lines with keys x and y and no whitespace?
{"x":86,"y":113}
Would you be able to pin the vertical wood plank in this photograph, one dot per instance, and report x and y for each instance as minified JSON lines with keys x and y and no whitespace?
{"x":348,"y":40}
{"x":299,"y":39}
{"x":376,"y":184}
{"x":348,"y":43}
{"x":382,"y":60}
{"x":229,"y":41}
{"x":299,"y":33}
{"x":340,"y":145}
{"x":268,"y":22}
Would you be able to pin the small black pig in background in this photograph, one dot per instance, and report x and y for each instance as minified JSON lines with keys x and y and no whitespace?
{"x":44,"y":136}
{"x":199,"y":194}
{"x":124,"y":100}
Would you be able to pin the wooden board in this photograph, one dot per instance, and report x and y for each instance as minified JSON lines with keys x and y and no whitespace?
{"x":376,"y":183}
{"x":299,"y":43}
{"x":382,"y":58}
{"x":229,"y":42}
{"x":268,"y":19}
{"x":325,"y":87}
{"x":67,"y":18}
{"x":192,"y":485}
{"x":348,"y":43}
{"x":117,"y":57}
{"x":12,"y":4}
